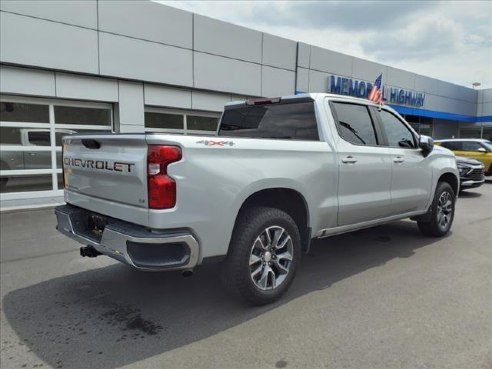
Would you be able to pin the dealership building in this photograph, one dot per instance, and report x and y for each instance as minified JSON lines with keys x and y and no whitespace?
{"x":122,"y":66}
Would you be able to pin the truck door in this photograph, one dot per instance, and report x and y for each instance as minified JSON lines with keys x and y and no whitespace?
{"x":364,"y":166}
{"x":411,"y":182}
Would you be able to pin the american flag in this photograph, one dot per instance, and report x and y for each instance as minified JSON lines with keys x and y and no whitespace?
{"x":376,"y":93}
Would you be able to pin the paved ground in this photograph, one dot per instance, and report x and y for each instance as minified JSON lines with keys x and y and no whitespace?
{"x":381,"y":298}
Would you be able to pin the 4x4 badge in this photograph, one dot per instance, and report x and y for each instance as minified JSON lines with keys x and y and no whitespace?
{"x":216,"y":143}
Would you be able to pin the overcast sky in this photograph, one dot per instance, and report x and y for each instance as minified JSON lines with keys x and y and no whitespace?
{"x":450,"y":40}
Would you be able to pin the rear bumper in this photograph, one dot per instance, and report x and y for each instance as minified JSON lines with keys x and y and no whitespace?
{"x":144,"y":249}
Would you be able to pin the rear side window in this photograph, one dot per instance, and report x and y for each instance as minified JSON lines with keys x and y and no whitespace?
{"x":39,"y":138}
{"x":355,"y":124}
{"x":456,"y":146}
{"x":295,"y":121}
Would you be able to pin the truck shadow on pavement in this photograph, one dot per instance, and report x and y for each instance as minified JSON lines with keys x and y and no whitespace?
{"x":115,"y":316}
{"x":469,"y":194}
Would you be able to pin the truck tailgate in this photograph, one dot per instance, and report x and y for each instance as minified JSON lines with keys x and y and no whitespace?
{"x":107,"y":167}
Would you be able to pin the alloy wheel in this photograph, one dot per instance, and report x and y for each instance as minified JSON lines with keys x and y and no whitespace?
{"x":271,"y":257}
{"x":444,"y":210}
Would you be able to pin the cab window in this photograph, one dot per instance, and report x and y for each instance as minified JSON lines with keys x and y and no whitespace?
{"x":397,"y":132}
{"x":471,"y":146}
{"x":454,"y":146}
{"x":39,"y":138}
{"x":354,"y":124}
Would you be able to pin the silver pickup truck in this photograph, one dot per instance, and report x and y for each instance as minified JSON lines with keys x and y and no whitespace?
{"x":278,"y":173}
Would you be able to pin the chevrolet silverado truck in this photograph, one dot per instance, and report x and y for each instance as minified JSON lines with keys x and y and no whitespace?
{"x":278,"y":173}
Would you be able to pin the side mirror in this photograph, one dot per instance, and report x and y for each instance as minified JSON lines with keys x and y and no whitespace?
{"x":426,"y":143}
{"x":481,"y":149}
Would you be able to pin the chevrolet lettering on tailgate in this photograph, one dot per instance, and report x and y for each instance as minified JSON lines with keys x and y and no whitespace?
{"x":98,"y":164}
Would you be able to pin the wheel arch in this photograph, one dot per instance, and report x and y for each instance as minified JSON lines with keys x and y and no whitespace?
{"x":448,"y":177}
{"x":453,"y":181}
{"x":286,"y":199}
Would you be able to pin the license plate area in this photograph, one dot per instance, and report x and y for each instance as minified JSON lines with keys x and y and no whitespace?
{"x":96,"y":225}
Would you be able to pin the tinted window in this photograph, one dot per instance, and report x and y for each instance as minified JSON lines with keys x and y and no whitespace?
{"x":19,"y":112}
{"x":283,"y":121}
{"x":452,"y":145}
{"x":355,"y":124}
{"x":163,"y":120}
{"x":471,"y":146}
{"x":10,"y":135}
{"x":397,"y":133}
{"x":39,"y":138}
{"x":198,"y":123}
{"x":86,"y":116}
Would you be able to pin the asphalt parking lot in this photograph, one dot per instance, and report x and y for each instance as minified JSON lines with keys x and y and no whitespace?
{"x":386,"y":297}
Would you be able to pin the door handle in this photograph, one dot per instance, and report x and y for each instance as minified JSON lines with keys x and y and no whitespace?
{"x":398,"y":160}
{"x":32,"y":153}
{"x":349,"y":160}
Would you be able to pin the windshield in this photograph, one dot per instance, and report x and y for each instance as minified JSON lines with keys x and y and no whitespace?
{"x":488,"y":145}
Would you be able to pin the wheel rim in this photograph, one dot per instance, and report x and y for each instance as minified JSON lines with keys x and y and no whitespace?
{"x":444,"y":210}
{"x":270,"y":258}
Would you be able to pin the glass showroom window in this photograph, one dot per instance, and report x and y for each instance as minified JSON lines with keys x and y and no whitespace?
{"x":487,"y":131}
{"x":181,"y":122}
{"x":421,"y":125}
{"x":425,"y":129}
{"x":476,"y":130}
{"x":30,"y":141}
{"x":470,"y":130}
{"x":73,"y":118}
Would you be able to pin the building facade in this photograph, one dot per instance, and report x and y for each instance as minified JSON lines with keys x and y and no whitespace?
{"x":124,"y":66}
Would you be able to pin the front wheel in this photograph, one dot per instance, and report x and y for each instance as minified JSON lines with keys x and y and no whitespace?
{"x":264,"y":252}
{"x":442,"y":212}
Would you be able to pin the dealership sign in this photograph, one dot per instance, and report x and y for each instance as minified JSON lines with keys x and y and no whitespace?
{"x":391,"y":95}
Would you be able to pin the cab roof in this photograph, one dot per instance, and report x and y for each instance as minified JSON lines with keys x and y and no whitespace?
{"x":306,"y":96}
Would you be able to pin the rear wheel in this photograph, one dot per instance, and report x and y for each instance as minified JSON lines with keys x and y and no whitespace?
{"x":442,"y":212}
{"x":263,"y":255}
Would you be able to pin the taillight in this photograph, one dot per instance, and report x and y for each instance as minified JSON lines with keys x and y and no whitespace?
{"x":162,"y":188}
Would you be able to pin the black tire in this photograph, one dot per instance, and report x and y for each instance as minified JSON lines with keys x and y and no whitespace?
{"x":436,"y":226}
{"x":237,"y":269}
